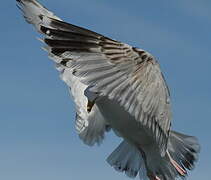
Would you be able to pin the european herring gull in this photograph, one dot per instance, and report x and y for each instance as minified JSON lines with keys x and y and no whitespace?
{"x":119,"y":87}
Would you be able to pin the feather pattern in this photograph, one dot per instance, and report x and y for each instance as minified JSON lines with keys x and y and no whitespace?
{"x":129,"y":75}
{"x":141,"y":83}
{"x":116,"y":86}
{"x":91,"y":127}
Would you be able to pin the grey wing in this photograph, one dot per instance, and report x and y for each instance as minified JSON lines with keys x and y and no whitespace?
{"x":113,"y":69}
{"x":91,"y":126}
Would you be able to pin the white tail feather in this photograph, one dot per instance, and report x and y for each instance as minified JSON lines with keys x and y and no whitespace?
{"x":182,"y":153}
{"x":127,"y":158}
{"x":183,"y":149}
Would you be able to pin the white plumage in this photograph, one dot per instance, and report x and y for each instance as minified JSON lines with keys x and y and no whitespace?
{"x":116,"y":86}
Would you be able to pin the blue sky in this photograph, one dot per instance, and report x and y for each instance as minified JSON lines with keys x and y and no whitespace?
{"x":37,"y":135}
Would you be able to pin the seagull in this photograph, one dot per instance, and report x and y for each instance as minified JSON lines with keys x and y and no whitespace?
{"x":119,"y":87}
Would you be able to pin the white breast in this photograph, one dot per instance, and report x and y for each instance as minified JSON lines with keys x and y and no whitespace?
{"x":122,"y":122}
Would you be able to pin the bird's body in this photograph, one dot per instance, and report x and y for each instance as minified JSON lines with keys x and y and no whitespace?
{"x":116,"y":86}
{"x":123,"y":123}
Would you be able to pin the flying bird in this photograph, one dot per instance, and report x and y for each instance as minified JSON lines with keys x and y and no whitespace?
{"x":119,"y":87}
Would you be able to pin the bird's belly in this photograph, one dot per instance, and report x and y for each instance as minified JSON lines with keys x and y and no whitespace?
{"x":123,"y":123}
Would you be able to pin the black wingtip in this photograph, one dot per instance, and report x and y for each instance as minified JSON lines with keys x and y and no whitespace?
{"x":19,"y":1}
{"x":19,"y":5}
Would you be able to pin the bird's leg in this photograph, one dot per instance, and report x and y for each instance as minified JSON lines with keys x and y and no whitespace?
{"x":153,"y":177}
{"x":179,"y":169}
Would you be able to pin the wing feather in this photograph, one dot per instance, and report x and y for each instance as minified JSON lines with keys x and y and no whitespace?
{"x":91,"y":126}
{"x":129,"y":75}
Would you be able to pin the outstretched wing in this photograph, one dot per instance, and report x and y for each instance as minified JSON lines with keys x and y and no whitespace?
{"x":91,"y":127}
{"x":129,"y":75}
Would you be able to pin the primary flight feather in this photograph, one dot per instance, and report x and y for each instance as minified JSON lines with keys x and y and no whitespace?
{"x":116,"y":86}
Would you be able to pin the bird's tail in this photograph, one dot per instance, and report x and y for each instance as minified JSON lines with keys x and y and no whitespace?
{"x":181,"y":155}
{"x":183,"y":150}
{"x":127,"y":158}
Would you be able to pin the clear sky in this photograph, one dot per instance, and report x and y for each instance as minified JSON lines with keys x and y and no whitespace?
{"x":37,"y":136}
